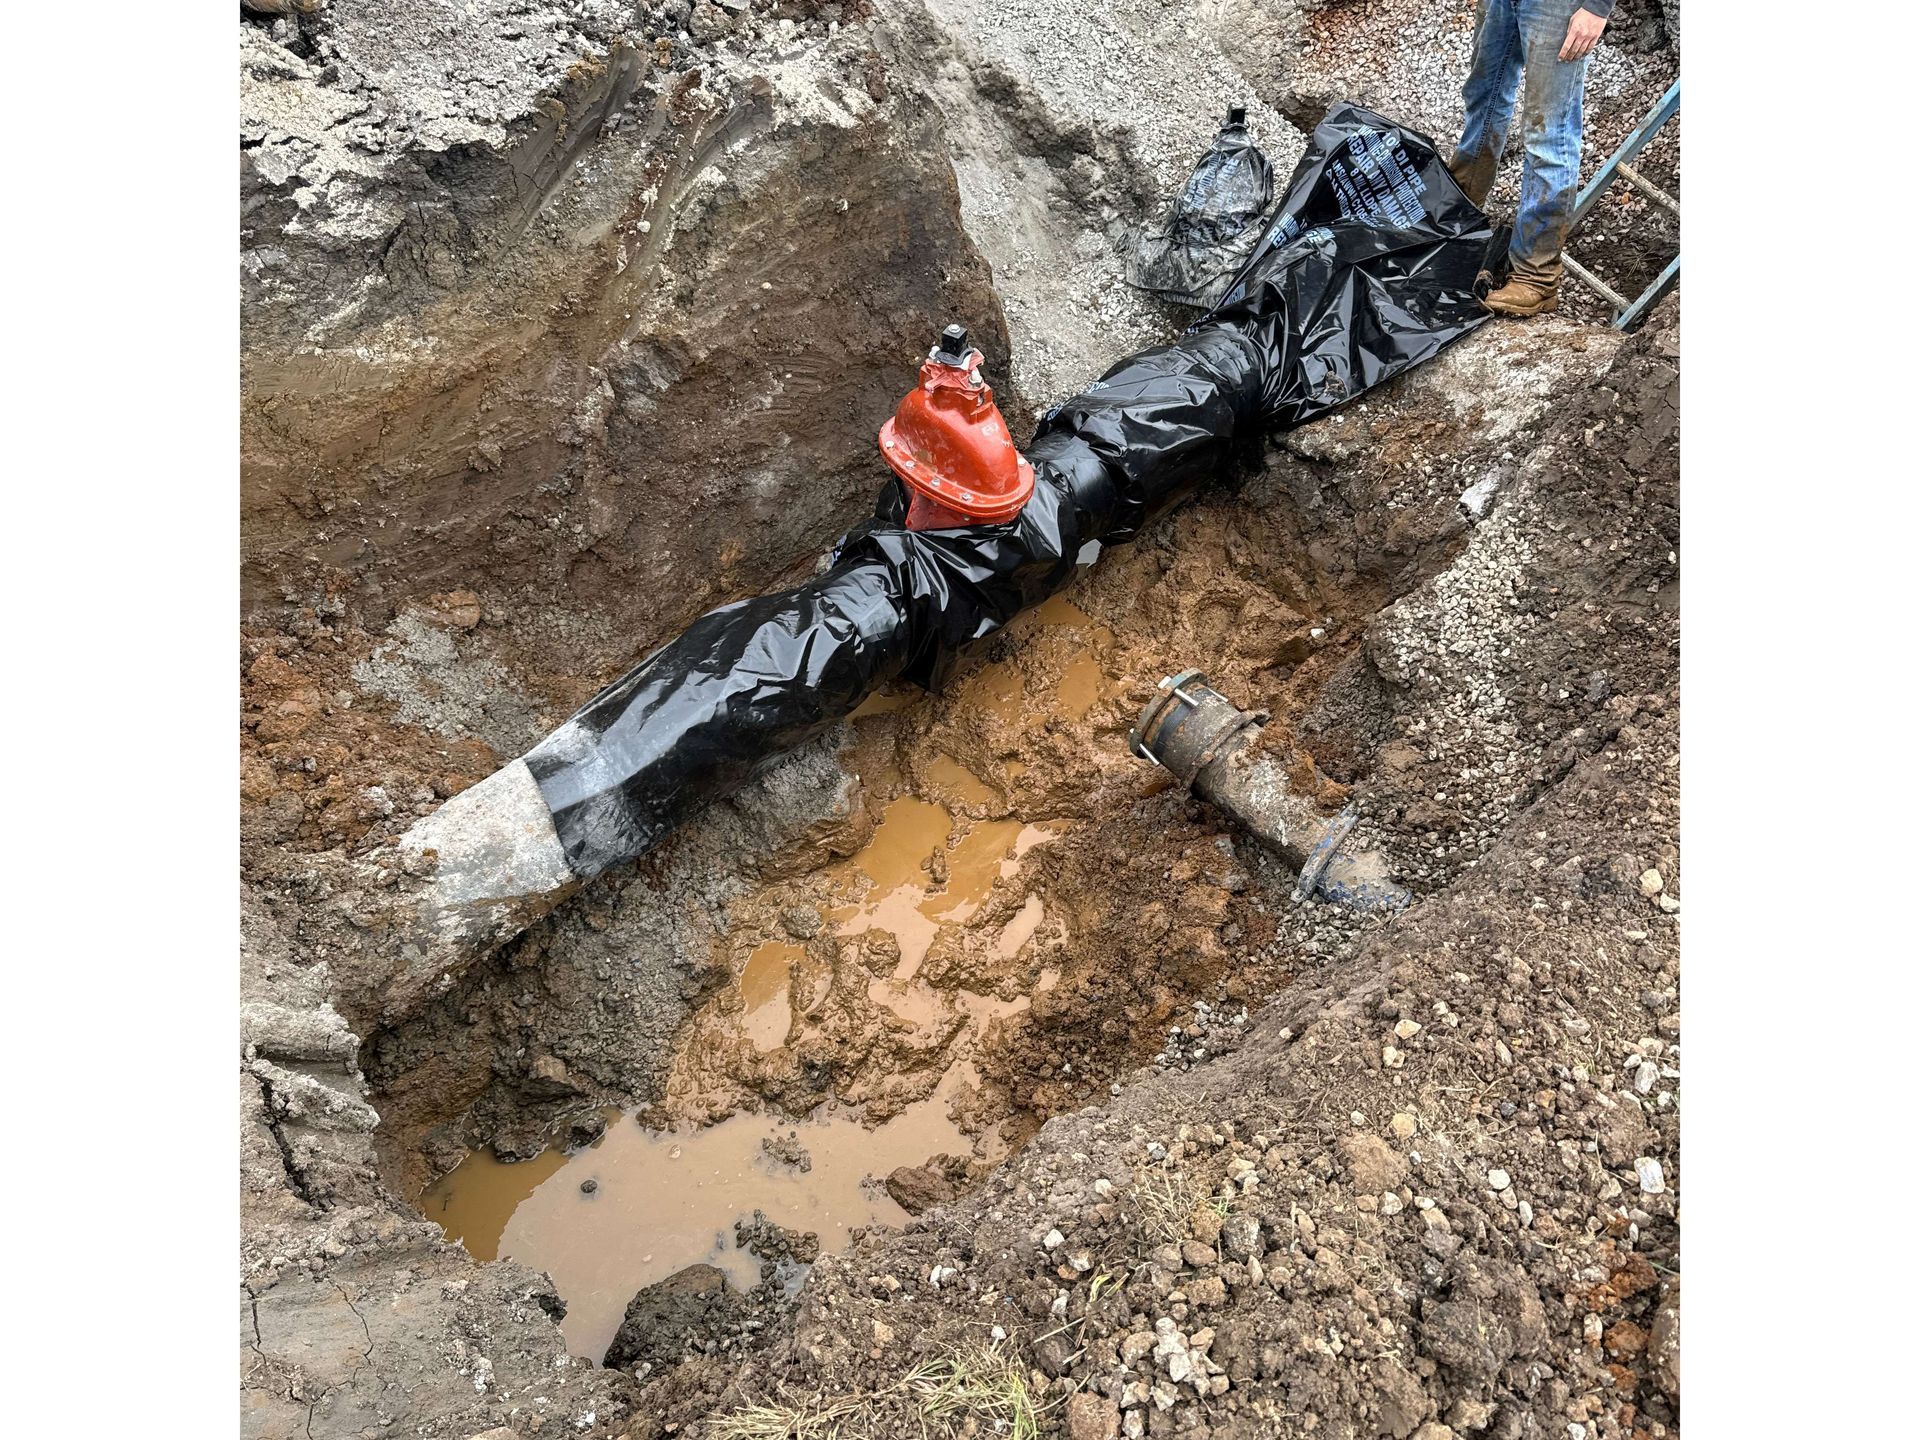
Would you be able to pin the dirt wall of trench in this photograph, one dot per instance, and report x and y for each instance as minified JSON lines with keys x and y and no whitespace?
{"x":621,"y":359}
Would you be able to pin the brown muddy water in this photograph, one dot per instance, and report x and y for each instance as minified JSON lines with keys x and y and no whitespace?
{"x":666,"y":1199}
{"x":892,"y":884}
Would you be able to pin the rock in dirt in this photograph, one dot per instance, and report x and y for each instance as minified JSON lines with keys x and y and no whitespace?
{"x":283,"y":1033}
{"x":1623,"y":1135}
{"x":708,"y":23}
{"x":1204,"y":1224}
{"x":1493,"y":1314}
{"x":548,"y":1078}
{"x":1092,"y":1417}
{"x":1371,"y":1163}
{"x":1663,"y":1342}
{"x":1403,"y":1403}
{"x":1240,"y":1236}
{"x":918,"y":1188}
{"x":664,"y":1319}
{"x":1209,"y":1292}
{"x":1465,"y":1338}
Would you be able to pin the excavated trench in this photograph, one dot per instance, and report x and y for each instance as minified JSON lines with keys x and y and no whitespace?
{"x":1002,"y":912}
{"x":501,"y":438}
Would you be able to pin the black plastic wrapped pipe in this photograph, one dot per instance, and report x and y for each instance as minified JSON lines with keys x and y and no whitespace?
{"x":1369,"y":269}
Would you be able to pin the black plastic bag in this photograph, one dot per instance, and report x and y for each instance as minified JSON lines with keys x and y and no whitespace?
{"x":1368,"y":269}
{"x":1213,"y":225}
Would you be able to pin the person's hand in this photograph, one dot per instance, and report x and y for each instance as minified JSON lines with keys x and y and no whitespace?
{"x":1583,"y":33}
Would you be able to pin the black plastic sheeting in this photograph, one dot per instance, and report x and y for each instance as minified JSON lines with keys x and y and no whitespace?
{"x":1214,"y":224}
{"x":1368,"y":269}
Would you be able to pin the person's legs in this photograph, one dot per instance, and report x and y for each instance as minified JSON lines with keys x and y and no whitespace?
{"x":1551,"y":123}
{"x":1492,"y":86}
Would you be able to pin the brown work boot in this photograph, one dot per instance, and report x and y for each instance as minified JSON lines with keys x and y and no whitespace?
{"x":1522,"y":296}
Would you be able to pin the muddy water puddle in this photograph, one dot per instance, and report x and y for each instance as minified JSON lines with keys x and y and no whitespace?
{"x":922,"y":879}
{"x":766,"y":993}
{"x":1083,"y":681}
{"x":945,"y":865}
{"x":922,"y":870}
{"x":936,"y":855}
{"x":664,"y":1200}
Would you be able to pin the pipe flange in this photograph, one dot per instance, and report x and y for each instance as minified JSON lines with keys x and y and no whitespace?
{"x":1187,"y":725}
{"x":1163,"y":696}
{"x":1324,"y":849}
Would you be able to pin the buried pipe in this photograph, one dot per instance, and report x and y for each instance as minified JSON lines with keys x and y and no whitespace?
{"x":1214,"y":748}
{"x":1369,"y":267}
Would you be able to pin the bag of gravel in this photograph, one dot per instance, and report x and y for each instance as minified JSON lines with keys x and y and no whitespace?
{"x":1213,"y":225}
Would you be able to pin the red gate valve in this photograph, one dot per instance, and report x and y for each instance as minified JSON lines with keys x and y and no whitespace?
{"x":949,"y":444}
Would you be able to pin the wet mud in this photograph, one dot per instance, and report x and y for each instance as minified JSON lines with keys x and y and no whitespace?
{"x":640,"y":1204}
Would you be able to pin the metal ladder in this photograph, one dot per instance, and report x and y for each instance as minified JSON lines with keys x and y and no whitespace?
{"x":1629,"y":313}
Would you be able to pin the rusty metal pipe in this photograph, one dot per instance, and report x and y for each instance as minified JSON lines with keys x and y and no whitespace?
{"x":1207,"y":741}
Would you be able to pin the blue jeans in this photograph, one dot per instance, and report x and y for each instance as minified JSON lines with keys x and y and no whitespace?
{"x":1515,"y":40}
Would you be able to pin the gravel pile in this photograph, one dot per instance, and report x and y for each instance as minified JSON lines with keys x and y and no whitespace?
{"x":1409,"y":58}
{"x":1152,"y":69}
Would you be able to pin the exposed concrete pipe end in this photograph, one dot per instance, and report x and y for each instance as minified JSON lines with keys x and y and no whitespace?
{"x":491,"y":863}
{"x":492,"y":842}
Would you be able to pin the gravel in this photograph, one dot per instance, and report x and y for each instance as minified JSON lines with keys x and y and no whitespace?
{"x":1109,"y":164}
{"x":1407,"y":59}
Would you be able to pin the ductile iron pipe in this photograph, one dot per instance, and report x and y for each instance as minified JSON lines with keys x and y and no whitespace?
{"x":1209,"y":744}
